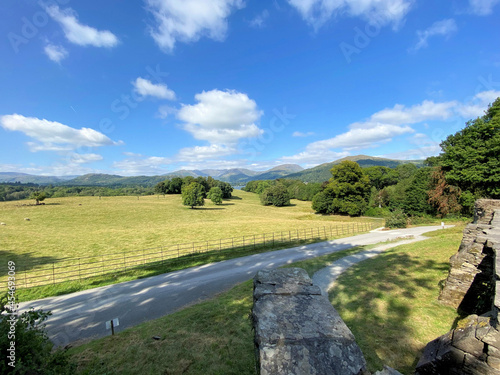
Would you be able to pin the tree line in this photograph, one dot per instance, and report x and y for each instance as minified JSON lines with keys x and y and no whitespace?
{"x":467,"y":169}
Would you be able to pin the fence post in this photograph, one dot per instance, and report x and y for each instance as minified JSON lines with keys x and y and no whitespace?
{"x":124,"y":262}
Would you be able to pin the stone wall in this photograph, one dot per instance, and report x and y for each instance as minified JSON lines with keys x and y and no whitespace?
{"x":473,"y":287}
{"x":297,"y":330}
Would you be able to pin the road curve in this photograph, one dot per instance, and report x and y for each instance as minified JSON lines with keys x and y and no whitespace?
{"x":82,"y":316}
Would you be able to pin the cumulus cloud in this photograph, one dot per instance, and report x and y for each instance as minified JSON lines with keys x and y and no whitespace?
{"x":482,"y":7}
{"x":145,"y":87}
{"x":382,"y":12}
{"x":189,"y":20}
{"x":379,"y":128}
{"x":478,"y":105}
{"x":203,"y":153}
{"x":78,"y":33}
{"x":54,"y":136}
{"x":221,"y":117}
{"x":137,"y":164}
{"x":85,"y":158}
{"x":55,"y":53}
{"x":443,"y":28}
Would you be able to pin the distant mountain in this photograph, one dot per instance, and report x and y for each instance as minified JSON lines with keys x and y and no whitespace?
{"x":322,"y":173}
{"x":235,"y":176}
{"x":98,"y":179}
{"x":24,"y":178}
{"x":278,"y":172}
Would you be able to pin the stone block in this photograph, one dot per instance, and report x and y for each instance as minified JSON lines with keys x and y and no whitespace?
{"x":297,"y":330}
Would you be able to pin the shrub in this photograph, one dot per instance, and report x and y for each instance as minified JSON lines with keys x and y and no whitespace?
{"x":33,"y":349}
{"x":378,"y":212}
{"x":398,"y":219}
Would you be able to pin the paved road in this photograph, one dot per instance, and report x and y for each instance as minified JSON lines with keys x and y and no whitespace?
{"x":81,"y":316}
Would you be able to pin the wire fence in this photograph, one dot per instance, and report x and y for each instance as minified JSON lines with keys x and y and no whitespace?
{"x":33,"y":274}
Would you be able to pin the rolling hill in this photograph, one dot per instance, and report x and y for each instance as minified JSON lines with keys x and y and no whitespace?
{"x":322,"y":173}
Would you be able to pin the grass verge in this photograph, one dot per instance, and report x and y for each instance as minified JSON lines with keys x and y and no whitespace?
{"x":390,"y":302}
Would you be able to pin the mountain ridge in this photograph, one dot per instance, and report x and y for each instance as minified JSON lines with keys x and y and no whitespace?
{"x":235,"y":176}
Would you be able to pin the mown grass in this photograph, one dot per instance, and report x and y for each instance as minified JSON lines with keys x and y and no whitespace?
{"x":389,"y":302}
{"x":93,"y":226}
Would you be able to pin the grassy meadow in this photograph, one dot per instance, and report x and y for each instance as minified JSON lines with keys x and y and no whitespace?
{"x":389,"y":302}
{"x":92,"y":226}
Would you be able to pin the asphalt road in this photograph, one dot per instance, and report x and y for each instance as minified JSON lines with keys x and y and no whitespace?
{"x":82,"y":316}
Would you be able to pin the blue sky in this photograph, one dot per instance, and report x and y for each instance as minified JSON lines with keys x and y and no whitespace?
{"x":153,"y":86}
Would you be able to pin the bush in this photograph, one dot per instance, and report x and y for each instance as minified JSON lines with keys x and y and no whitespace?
{"x":33,"y":349}
{"x":378,"y":212}
{"x":398,"y":219}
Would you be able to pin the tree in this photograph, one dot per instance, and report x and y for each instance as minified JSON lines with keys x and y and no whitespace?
{"x":470,"y":158}
{"x":276,"y":195}
{"x":192,"y":195}
{"x":444,"y":197}
{"x":215,"y":195}
{"x":38,"y":196}
{"x":346,"y":192}
{"x":416,"y":200}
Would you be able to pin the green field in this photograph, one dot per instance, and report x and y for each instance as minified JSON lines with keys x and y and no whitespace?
{"x":78,"y":227}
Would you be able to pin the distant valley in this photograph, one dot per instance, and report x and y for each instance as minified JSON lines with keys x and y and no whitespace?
{"x":236,"y":176}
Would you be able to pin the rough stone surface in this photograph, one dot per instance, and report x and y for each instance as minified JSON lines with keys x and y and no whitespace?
{"x":474,"y":346}
{"x":483,"y":210}
{"x":297,"y":330}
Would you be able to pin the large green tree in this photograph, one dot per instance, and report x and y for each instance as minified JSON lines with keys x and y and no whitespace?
{"x":193,"y":194}
{"x":346,"y":192}
{"x":470,"y":158}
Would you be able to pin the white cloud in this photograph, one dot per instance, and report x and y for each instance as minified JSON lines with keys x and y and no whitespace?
{"x":260,"y":19}
{"x":381,"y":12}
{"x":145,"y":87}
{"x":482,"y":7}
{"x":165,"y":110}
{"x":478,"y":105}
{"x":78,"y":33}
{"x":54,"y":136}
{"x":203,"y":153}
{"x":55,"y":53}
{"x":85,"y":158}
{"x":443,"y":28}
{"x":400,"y":114}
{"x":221,"y":117}
{"x":189,"y":20}
{"x":301,"y":134}
{"x":142,"y":165}
{"x":379,"y":128}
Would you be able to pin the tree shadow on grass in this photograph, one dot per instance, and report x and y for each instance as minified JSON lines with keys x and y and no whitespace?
{"x":208,"y":208}
{"x":376,"y":299}
{"x":23,"y":262}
